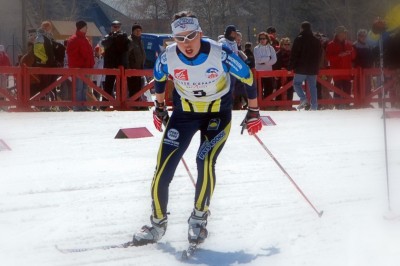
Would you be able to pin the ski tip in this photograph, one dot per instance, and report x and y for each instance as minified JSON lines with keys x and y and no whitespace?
{"x":320,"y":214}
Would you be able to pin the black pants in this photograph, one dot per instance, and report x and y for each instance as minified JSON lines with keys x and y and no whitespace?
{"x":268,"y":86}
{"x":134,"y":85}
{"x":214,"y":130}
{"x":109,"y":85}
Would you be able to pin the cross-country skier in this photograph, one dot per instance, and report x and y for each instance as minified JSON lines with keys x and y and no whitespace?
{"x":200,"y":69}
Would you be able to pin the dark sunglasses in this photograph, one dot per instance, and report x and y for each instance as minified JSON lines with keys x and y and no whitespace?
{"x":188,"y":37}
{"x":262,"y":39}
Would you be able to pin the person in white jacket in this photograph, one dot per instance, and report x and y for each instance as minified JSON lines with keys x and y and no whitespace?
{"x":265,"y":58}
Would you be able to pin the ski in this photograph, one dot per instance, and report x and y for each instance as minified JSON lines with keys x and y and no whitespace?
{"x":104,"y":247}
{"x":189,"y":252}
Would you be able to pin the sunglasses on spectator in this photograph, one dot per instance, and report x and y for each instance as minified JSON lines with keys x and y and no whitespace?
{"x":262,"y":39}
{"x":116,"y":26}
{"x":286,"y":44}
{"x":188,"y":37}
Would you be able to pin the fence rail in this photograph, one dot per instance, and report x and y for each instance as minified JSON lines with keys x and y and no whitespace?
{"x":17,"y":92}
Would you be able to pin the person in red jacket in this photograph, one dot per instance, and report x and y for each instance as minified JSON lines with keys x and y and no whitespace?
{"x":340,"y":54}
{"x":80,"y":55}
{"x":4,"y":61}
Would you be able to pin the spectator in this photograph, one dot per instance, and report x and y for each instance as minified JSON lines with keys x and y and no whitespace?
{"x":205,"y":109}
{"x":30,"y":44}
{"x":229,"y":38}
{"x":364,"y":56}
{"x":248,"y":50}
{"x":43,"y":46}
{"x":323,"y":92}
{"x":65,"y":93}
{"x":282,"y":63}
{"x":392,"y":61}
{"x":272,"y":36}
{"x":59,"y":53}
{"x":4,"y":61}
{"x":238,"y":40}
{"x":340,"y":54}
{"x":240,"y":100}
{"x":265,"y":58}
{"x":29,"y":59}
{"x":45,"y":57}
{"x":136,"y":58}
{"x":98,"y":64}
{"x":239,"y":93}
{"x":304,"y":61}
{"x":31,"y":36}
{"x":116,"y":46}
{"x":80,"y":55}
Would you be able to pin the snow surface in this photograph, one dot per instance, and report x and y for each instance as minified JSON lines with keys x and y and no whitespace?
{"x":68,"y":182}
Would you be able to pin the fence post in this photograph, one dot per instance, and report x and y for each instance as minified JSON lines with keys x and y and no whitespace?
{"x":357,"y":87}
{"x":121,"y":90}
{"x":25,"y":88}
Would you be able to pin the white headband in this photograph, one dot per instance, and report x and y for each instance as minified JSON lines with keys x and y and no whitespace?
{"x":185,"y":24}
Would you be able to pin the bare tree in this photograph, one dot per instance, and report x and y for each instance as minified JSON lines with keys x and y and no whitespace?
{"x":248,"y":15}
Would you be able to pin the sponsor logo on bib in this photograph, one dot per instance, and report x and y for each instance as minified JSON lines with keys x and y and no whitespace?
{"x":181,"y":74}
{"x":212,"y":73}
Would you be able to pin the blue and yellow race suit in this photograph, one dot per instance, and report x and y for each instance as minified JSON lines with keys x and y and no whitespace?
{"x":202,"y":100}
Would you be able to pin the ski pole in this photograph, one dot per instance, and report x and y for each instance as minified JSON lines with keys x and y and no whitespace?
{"x":384,"y":119}
{"x":319,"y":213}
{"x":188,"y":171}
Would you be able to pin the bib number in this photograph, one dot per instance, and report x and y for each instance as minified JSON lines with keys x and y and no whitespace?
{"x":199,"y":93}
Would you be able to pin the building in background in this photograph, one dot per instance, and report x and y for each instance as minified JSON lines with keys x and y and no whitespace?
{"x":20,"y":15}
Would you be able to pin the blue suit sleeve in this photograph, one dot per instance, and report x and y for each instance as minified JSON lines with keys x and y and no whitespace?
{"x":160,"y":73}
{"x":239,"y":69}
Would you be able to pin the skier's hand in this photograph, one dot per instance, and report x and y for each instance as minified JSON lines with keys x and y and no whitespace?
{"x":160,"y":116}
{"x":252,"y":121}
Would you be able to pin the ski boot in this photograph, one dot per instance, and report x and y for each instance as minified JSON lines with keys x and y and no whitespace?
{"x":197,"y":221}
{"x":150,"y":234}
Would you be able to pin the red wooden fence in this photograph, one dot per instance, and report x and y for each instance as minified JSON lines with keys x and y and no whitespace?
{"x":16,"y":95}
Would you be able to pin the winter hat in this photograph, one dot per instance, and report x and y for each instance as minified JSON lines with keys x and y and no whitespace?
{"x":80,"y":24}
{"x":228,"y":30}
{"x":116,"y":23}
{"x":136,"y":26}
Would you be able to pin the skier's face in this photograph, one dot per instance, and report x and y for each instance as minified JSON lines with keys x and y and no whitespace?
{"x":189,"y":42}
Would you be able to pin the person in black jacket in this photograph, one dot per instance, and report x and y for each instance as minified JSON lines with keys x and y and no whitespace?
{"x":136,"y":59}
{"x":282,"y":62}
{"x":391,"y":58}
{"x":305,"y":61}
{"x":116,"y":46}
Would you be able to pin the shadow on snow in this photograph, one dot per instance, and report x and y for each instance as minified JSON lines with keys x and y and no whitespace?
{"x":211,"y":257}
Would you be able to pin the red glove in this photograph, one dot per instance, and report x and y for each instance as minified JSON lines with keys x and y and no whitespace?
{"x":252,"y":121}
{"x":160,"y":116}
